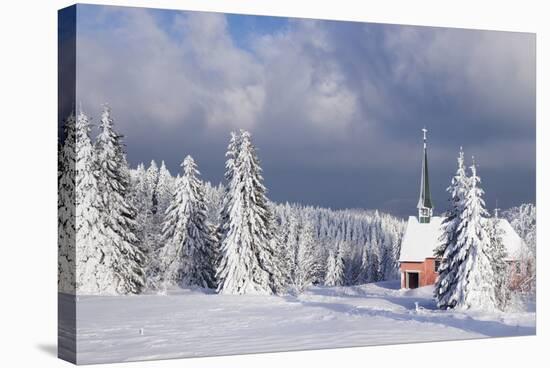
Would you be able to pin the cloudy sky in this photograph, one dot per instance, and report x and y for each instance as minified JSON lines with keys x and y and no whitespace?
{"x":335,"y":108}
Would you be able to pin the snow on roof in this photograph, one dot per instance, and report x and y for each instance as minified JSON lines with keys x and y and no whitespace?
{"x":512,"y":241}
{"x":420,"y":240}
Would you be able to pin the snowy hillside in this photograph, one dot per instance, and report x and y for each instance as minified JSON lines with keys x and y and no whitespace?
{"x":189,"y":323}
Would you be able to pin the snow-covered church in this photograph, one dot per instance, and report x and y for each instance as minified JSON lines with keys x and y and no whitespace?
{"x":417,"y":263}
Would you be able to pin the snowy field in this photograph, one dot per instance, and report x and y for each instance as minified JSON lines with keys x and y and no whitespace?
{"x":189,"y":323}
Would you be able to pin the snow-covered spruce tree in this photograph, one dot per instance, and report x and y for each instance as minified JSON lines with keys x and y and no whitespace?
{"x":395,"y":235}
{"x":139,"y":197}
{"x":335,"y":268}
{"x":448,"y":249}
{"x":142,"y":196}
{"x":225,"y":203}
{"x":283,"y":257}
{"x":125,"y":171}
{"x":363,"y":275}
{"x":279,"y":246}
{"x":290,"y":227}
{"x":90,"y":233}
{"x":164,"y":190}
{"x":389,"y":253}
{"x":188,"y":257}
{"x":214,"y":198}
{"x":474,"y":284}
{"x":497,"y":256}
{"x":307,"y":267}
{"x":278,"y":277}
{"x":321,"y":255}
{"x":231,"y":159}
{"x":119,"y":252}
{"x":148,"y":228}
{"x":386,"y":260}
{"x":66,"y":201}
{"x":373,"y":258}
{"x":159,"y":186}
{"x":352,"y":263}
{"x":247,"y":263}
{"x":138,"y":182}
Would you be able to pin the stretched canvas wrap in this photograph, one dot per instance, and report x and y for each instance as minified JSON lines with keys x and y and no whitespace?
{"x":234,"y":184}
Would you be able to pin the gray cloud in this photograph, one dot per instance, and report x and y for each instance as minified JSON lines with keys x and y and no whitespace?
{"x":331,"y":105}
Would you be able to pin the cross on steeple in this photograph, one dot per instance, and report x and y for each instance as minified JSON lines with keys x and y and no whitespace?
{"x":425,"y":208}
{"x":424,"y":130}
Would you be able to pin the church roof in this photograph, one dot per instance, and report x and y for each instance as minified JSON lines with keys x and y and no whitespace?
{"x":421,"y":239}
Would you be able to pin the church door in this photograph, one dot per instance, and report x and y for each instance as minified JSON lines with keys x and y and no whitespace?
{"x":412,"y":280}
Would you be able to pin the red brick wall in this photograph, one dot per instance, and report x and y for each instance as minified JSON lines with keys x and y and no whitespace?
{"x":426,"y":269}
{"x":428,"y":276}
{"x":431,"y":274}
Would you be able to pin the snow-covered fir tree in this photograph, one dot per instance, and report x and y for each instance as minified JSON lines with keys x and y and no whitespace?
{"x":474,"y":283}
{"x":386,"y":260}
{"x":139,"y":181}
{"x":278,"y":277}
{"x":188,"y":256}
{"x":284,"y":256}
{"x":214,"y":201}
{"x":447,"y":251}
{"x":119,"y":252}
{"x":247,"y":259}
{"x":306,"y":265}
{"x":225,"y":209}
{"x":335,"y":268}
{"x":66,"y":200}
{"x":373,"y":259}
{"x":352,"y":263}
{"x":363,"y":275}
{"x":139,"y":197}
{"x":164,"y":190}
{"x":148,"y":226}
{"x":90,"y":232}
{"x":389,"y":249}
{"x":395,"y":234}
{"x":289,"y":230}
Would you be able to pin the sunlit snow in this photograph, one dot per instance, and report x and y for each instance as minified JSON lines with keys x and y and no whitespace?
{"x":189,"y":323}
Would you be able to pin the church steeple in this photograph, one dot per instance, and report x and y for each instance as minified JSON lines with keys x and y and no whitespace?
{"x":425,"y":208}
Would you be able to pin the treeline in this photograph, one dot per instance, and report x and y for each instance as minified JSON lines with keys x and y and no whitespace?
{"x":143,"y":229}
{"x":125,"y":230}
{"x":362,"y":245}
